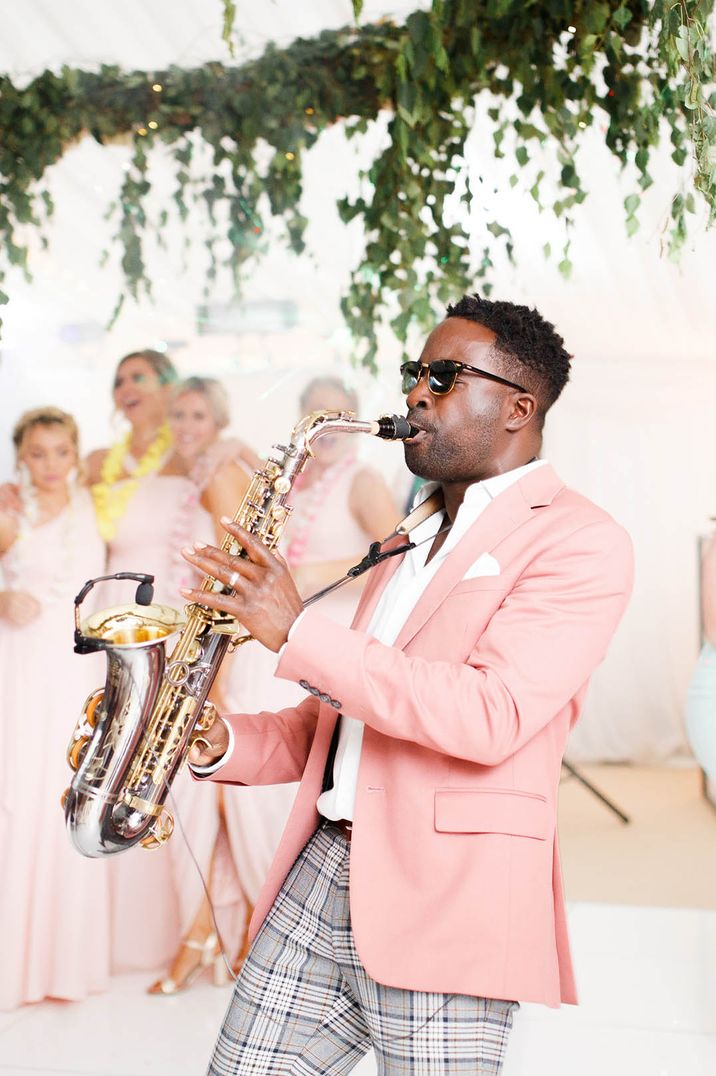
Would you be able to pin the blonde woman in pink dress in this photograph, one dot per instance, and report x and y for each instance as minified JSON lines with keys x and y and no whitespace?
{"x":340,"y":507}
{"x":54,"y":919}
{"x":219,"y":478}
{"x":146,"y":503}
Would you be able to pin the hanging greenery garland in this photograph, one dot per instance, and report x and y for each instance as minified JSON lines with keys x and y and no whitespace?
{"x":553,"y":69}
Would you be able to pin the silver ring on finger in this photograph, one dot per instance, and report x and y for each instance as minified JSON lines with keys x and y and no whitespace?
{"x":233,"y":579}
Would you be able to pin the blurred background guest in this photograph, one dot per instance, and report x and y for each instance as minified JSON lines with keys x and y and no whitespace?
{"x":148,"y":509}
{"x":204,"y":849}
{"x":701,"y":703}
{"x":340,"y":506}
{"x":54,"y":912}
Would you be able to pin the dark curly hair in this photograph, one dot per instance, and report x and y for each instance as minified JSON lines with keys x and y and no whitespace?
{"x":530,"y":349}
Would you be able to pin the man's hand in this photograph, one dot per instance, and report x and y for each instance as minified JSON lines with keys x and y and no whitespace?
{"x":211,"y":745}
{"x":265,"y":599}
{"x":19,"y":608}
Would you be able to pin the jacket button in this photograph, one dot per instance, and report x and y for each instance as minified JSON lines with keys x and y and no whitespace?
{"x":324,"y":698}
{"x":304,"y":684}
{"x":314,"y":691}
{"x":336,"y":704}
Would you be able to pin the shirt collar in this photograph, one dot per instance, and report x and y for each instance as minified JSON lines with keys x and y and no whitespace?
{"x":491,"y":486}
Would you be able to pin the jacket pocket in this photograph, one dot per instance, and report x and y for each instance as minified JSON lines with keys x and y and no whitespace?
{"x":479,"y":582}
{"x":473,"y":810}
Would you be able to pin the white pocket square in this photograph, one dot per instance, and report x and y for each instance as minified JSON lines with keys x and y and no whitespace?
{"x":484,"y":565}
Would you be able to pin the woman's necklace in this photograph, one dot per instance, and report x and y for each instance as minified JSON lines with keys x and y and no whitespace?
{"x":111,"y":496}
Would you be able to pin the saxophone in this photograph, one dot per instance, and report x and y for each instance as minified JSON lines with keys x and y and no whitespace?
{"x":134,"y":734}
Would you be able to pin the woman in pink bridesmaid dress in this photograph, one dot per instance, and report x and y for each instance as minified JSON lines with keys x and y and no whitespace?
{"x":54,"y":919}
{"x":340,"y":507}
{"x":167,"y":505}
{"x":211,"y":832}
{"x":150,"y":499}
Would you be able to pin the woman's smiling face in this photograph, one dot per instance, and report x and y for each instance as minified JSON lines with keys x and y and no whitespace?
{"x":138,"y":391}
{"x":192,"y":423}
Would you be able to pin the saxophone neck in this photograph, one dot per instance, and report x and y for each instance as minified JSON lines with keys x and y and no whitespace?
{"x":317,"y":423}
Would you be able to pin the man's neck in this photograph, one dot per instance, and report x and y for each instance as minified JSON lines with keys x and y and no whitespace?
{"x":454,"y":492}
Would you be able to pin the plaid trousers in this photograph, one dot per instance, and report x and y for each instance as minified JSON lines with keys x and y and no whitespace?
{"x":304,"y":1005}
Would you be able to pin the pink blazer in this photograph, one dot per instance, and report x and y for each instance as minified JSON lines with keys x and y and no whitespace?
{"x":455,"y":881}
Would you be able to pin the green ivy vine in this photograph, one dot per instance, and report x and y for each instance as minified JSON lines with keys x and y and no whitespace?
{"x":552,"y":70}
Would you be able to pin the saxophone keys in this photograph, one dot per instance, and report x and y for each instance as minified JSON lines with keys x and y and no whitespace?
{"x":161,"y":830}
{"x":194,"y":651}
{"x":75,"y":752}
{"x":90,"y":707}
{"x":207,"y":717}
{"x":237,"y":641}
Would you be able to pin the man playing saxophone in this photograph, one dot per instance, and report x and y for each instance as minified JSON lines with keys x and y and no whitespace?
{"x":416,"y":896}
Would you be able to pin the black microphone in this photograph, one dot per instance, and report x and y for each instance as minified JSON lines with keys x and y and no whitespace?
{"x":145,"y":592}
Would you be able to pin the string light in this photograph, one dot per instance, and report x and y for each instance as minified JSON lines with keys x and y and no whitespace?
{"x":157,"y":87}
{"x":153,"y":124}
{"x":142,"y":131}
{"x":582,"y":123}
{"x":290,"y":156}
{"x":572,"y":29}
{"x":309,"y":111}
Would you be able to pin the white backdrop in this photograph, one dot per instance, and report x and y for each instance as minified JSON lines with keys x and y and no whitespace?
{"x":633,"y":429}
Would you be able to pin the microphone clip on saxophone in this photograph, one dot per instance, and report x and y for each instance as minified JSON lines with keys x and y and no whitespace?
{"x":144,"y":596}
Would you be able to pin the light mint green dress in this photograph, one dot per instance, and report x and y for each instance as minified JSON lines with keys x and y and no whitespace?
{"x":701,"y":711}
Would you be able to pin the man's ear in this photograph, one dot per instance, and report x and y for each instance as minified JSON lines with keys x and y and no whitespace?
{"x":522,"y":410}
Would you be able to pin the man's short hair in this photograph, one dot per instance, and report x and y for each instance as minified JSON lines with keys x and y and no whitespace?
{"x":530,"y":349}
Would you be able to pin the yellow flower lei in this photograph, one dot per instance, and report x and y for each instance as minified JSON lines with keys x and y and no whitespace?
{"x":111,"y":497}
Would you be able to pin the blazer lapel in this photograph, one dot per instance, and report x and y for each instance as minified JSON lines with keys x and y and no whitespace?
{"x":509,"y":510}
{"x":381,"y":575}
{"x":377,"y":581}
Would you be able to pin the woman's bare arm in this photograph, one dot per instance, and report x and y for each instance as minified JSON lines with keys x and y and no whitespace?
{"x":372,"y":506}
{"x":93,"y":465}
{"x":224,"y":493}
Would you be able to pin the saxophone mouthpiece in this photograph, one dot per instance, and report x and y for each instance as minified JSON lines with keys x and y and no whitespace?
{"x":393,"y":428}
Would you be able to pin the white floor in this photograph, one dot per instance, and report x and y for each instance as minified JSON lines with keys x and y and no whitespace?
{"x":647,"y":978}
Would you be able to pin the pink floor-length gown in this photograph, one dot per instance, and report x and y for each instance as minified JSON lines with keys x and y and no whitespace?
{"x":326,"y":529}
{"x":149,"y":897}
{"x":156,"y":894}
{"x":54,"y":912}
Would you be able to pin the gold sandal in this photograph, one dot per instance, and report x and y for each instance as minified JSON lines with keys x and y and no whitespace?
{"x":210,"y":957}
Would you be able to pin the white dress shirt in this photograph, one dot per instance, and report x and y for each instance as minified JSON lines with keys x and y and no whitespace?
{"x":395,"y":605}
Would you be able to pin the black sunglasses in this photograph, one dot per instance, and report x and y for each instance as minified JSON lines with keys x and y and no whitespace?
{"x":442,"y":375}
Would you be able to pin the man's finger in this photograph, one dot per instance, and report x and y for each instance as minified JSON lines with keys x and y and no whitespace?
{"x":255,"y":548}
{"x":223,"y":603}
{"x":222,"y":566}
